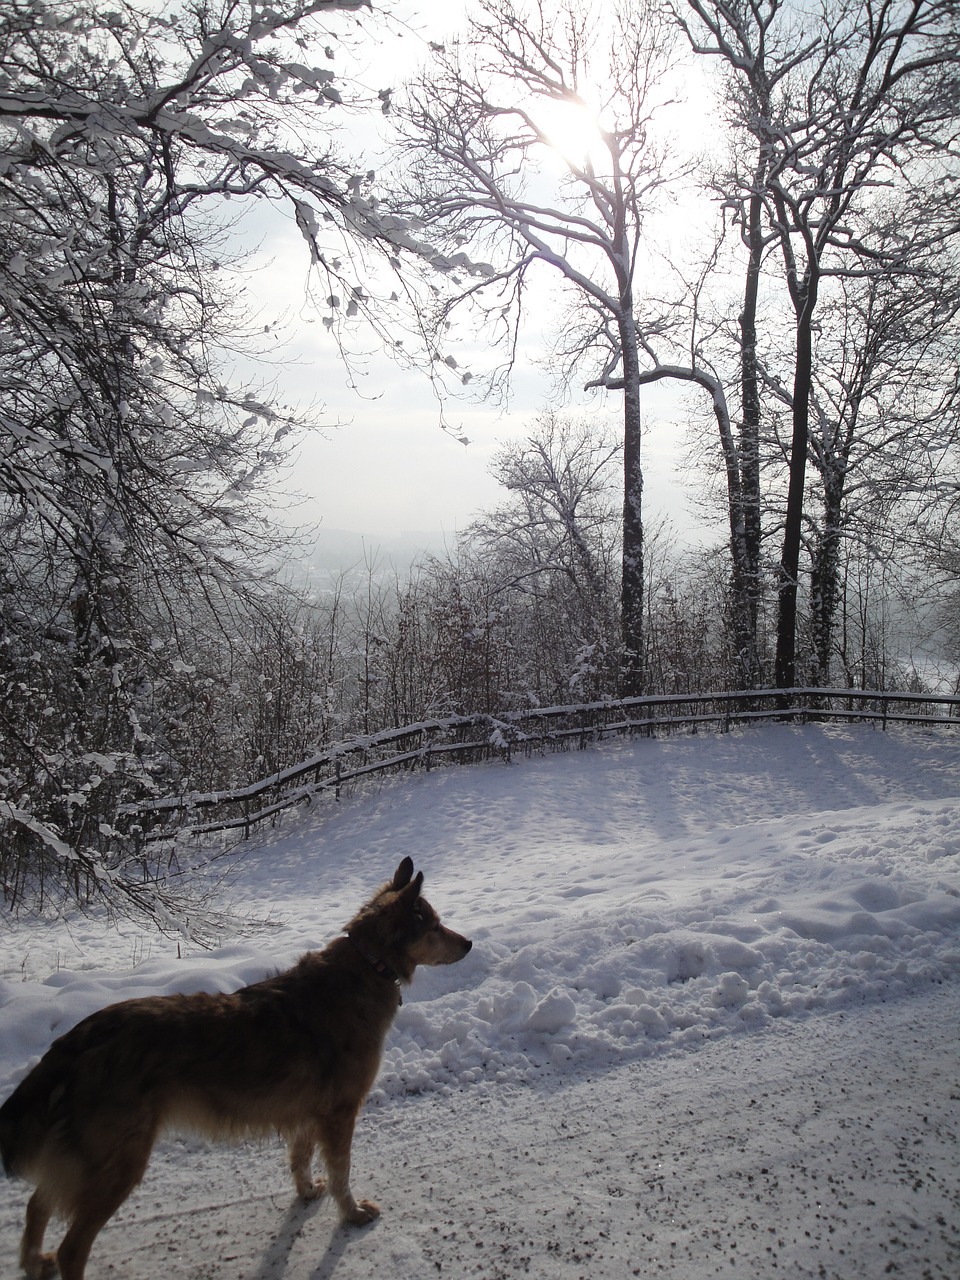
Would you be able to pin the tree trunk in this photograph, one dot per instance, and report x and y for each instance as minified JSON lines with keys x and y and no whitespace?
{"x":750,"y":440}
{"x":632,"y":583}
{"x":744,"y":617}
{"x":825,"y":579}
{"x":789,"y":575}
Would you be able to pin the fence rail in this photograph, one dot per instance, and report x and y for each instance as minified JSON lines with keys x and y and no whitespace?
{"x":475,"y":737}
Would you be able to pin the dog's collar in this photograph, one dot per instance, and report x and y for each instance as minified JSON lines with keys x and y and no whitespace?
{"x":377,"y":964}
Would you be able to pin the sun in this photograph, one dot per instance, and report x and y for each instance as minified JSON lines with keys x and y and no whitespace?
{"x":571,"y":129}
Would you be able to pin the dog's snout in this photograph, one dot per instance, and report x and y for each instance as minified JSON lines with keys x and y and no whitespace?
{"x":467,"y":945}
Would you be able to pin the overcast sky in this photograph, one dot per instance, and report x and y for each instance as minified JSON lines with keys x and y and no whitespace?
{"x":383,"y":465}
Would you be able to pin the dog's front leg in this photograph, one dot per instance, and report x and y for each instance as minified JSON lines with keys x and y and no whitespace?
{"x":300,"y":1149}
{"x":336,"y":1138}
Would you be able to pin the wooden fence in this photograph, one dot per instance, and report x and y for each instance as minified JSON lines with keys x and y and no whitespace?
{"x":462,"y":739}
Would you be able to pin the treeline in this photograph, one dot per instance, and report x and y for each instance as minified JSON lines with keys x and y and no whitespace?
{"x":146,"y":643}
{"x":520,"y":612}
{"x":805,"y":284}
{"x":205,"y":690}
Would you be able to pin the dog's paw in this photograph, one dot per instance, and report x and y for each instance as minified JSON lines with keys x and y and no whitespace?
{"x":41,"y":1266}
{"x":365,"y":1212}
{"x":312,"y":1190}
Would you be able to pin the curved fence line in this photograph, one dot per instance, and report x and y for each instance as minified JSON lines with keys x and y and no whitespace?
{"x":463,"y":739}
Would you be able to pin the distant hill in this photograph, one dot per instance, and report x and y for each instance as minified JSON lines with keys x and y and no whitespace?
{"x":343,"y":553}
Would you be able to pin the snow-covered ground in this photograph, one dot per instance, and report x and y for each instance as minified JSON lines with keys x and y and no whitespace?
{"x":710,"y":1024}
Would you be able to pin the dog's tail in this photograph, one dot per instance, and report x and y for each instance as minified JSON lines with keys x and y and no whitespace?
{"x":30,"y":1114}
{"x":6,"y":1143}
{"x":15,"y":1135}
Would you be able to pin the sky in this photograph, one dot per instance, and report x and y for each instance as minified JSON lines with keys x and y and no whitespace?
{"x":382,"y":464}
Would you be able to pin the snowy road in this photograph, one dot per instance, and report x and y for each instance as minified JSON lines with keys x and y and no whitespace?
{"x":805,"y":1151}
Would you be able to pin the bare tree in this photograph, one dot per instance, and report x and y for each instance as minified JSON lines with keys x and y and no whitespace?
{"x":884,"y":420}
{"x":479,"y":123}
{"x":839,"y":101}
{"x":130,"y":470}
{"x":558,"y":520}
{"x":679,"y":347}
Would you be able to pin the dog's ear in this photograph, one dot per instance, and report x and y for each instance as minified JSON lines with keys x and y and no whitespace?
{"x":412,"y":891}
{"x":403,"y":874}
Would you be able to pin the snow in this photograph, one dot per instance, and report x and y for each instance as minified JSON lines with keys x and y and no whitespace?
{"x":708,"y":1025}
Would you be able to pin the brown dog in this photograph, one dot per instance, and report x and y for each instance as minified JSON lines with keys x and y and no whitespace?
{"x":295,"y":1054}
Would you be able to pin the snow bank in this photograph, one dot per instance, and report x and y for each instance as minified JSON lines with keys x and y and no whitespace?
{"x":791,"y":918}
{"x":624,"y":902}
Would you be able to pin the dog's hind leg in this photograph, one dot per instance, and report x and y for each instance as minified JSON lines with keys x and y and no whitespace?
{"x":336,"y":1138}
{"x":301,"y":1148}
{"x":37,"y":1264}
{"x":103,"y":1195}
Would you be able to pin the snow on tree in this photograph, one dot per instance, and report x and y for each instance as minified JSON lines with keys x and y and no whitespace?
{"x":130,"y":469}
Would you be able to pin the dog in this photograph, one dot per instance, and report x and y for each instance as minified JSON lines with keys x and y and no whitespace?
{"x":295,"y":1054}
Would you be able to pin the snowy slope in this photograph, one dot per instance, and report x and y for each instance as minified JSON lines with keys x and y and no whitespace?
{"x":709,"y":1024}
